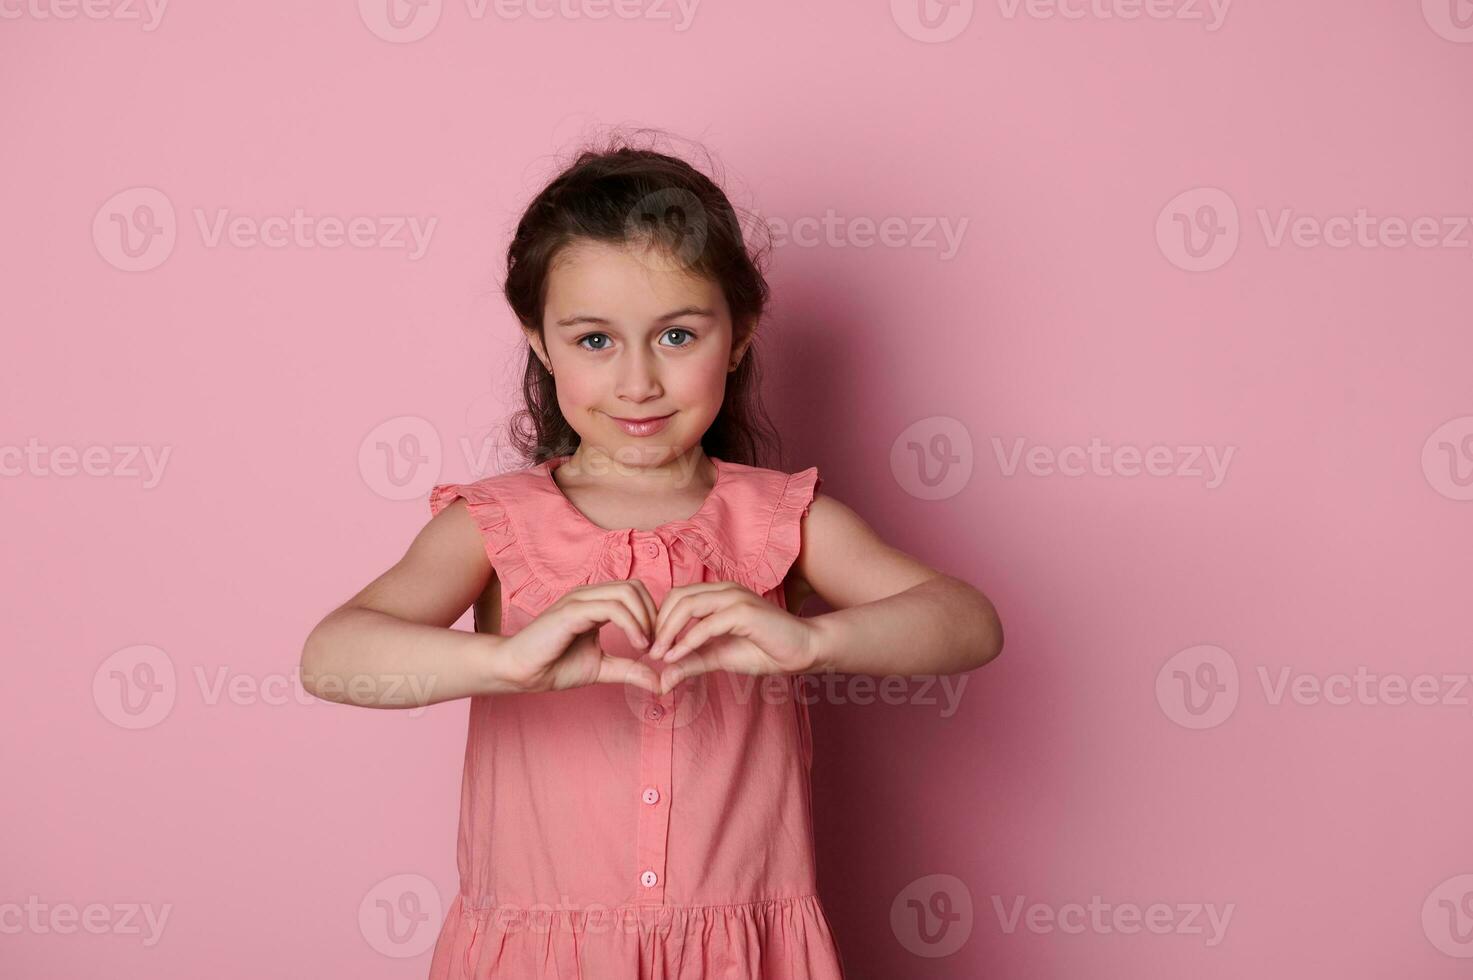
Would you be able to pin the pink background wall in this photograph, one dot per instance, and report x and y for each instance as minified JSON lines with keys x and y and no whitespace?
{"x":1176,"y":726}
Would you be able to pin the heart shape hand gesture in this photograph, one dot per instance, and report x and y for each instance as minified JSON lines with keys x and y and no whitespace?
{"x":731,"y":628}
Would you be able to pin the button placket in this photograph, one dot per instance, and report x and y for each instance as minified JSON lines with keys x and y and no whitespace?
{"x":652,"y":561}
{"x":656,"y":744}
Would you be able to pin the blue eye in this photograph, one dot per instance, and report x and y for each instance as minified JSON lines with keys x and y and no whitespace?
{"x":605,"y":337}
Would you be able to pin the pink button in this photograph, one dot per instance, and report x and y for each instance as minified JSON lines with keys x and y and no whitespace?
{"x":648,"y":879}
{"x":651,"y":550}
{"x":651,"y":795}
{"x":655,"y":712}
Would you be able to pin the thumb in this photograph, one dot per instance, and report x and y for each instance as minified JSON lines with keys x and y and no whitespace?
{"x":619,"y":670}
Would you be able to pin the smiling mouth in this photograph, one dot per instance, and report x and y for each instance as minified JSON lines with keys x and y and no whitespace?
{"x":652,"y":418}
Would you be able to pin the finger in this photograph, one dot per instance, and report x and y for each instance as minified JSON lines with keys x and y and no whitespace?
{"x":620,"y":670}
{"x":628,"y":592}
{"x":692,"y":666}
{"x":595,"y":612}
{"x":673,"y":597}
{"x":723,"y":622}
{"x":664,"y":631}
{"x":651,"y":611}
{"x":687,"y":608}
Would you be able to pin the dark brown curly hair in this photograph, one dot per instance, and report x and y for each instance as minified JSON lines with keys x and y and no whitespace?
{"x":623,"y":195}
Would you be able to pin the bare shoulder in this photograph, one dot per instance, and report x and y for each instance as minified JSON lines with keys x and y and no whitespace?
{"x":845,"y":562}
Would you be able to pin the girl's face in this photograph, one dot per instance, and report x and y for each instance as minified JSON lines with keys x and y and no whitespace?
{"x":630,"y":336}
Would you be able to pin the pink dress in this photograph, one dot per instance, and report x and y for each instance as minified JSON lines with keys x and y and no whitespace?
{"x":609,"y":834}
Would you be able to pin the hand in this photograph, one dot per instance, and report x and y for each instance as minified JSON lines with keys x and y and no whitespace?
{"x":559,"y":649}
{"x":737,"y":630}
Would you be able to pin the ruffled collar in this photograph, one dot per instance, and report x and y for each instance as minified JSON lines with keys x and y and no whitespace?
{"x":611,"y":553}
{"x":747,"y":530}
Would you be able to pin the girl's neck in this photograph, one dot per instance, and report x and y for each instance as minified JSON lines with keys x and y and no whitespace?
{"x":627,"y":473}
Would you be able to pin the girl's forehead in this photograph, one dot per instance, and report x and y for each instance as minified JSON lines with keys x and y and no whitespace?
{"x":599,"y":279}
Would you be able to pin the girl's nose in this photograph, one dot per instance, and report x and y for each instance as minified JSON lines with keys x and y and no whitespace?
{"x":638,"y":377}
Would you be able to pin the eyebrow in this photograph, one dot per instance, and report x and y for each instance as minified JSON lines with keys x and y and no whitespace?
{"x":574,"y":321}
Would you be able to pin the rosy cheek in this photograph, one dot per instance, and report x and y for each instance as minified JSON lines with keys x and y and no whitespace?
{"x":572,"y":392}
{"x":715,"y":372}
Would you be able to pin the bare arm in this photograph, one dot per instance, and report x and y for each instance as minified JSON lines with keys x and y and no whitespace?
{"x":892,"y":614}
{"x":391,"y":645}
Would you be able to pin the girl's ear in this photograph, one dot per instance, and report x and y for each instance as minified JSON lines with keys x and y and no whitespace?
{"x":538,"y":351}
{"x":742,"y":339}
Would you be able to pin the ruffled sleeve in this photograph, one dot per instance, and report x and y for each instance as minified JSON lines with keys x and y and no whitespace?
{"x":785,"y":533}
{"x":520,"y":583}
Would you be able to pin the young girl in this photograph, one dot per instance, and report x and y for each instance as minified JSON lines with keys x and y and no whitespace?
{"x":635,"y":801}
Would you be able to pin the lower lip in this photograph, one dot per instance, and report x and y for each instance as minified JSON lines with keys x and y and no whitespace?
{"x":643,"y":428}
